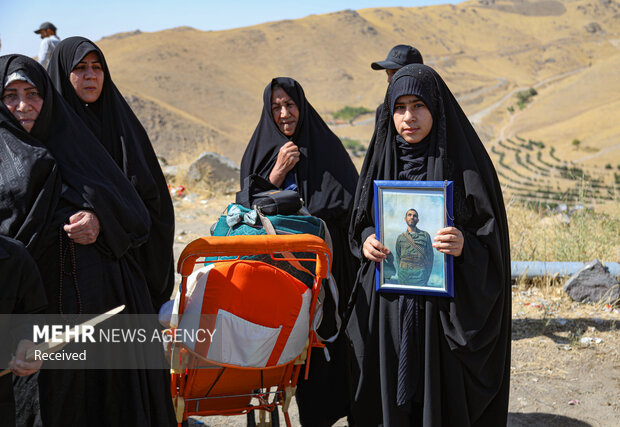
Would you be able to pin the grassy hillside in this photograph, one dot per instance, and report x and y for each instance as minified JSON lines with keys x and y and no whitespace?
{"x":199,"y":90}
{"x":583,"y":107}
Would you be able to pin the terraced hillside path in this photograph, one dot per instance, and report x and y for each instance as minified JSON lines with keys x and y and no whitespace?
{"x":477,"y":117}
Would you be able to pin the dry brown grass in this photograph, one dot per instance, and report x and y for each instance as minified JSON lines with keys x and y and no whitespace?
{"x":541,"y":235}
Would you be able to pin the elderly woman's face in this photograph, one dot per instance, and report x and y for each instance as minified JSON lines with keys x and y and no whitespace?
{"x":87,"y":78}
{"x":24,"y":102}
{"x":412,"y":118}
{"x":285,"y":111}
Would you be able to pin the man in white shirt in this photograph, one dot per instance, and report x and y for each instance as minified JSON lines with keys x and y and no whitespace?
{"x":47,"y":31}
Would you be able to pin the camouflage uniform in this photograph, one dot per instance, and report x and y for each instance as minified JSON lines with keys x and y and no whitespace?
{"x":414,"y":259}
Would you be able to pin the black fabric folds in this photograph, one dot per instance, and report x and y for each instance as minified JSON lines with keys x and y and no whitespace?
{"x":48,"y":175}
{"x":326,"y":179}
{"x":22,"y":294}
{"x":466,"y":339}
{"x":118,"y":129}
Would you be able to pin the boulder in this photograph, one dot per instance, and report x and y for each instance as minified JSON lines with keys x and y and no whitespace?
{"x":213,"y":166}
{"x":593,"y":283}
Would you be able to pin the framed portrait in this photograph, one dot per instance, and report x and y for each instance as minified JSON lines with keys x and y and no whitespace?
{"x":408,"y":215}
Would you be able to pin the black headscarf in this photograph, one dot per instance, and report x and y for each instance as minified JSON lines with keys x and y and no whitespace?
{"x":60,"y":157}
{"x":325,"y":174}
{"x":118,"y":129}
{"x":466,"y":361}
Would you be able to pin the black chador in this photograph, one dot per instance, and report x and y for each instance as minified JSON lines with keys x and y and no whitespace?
{"x":118,"y":129}
{"x":448,"y":364}
{"x":325,"y":178}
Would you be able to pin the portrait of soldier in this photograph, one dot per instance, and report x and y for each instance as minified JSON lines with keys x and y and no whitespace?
{"x":414,"y":253}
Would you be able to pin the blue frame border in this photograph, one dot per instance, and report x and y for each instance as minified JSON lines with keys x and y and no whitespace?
{"x":447,"y":187}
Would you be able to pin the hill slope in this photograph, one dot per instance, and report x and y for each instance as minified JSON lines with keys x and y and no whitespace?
{"x":201,"y":89}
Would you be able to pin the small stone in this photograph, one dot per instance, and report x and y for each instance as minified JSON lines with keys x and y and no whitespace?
{"x":589,"y":341}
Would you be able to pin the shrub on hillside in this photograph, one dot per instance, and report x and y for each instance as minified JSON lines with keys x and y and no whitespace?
{"x":538,"y":144}
{"x":552,"y":154}
{"x":524,"y":96}
{"x":349,"y":113}
{"x":354,"y":146}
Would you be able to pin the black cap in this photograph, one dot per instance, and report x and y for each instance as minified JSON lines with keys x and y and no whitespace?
{"x":398,"y":57}
{"x":46,"y":26}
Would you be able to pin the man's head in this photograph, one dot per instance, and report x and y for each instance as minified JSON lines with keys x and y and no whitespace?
{"x":399,"y":56}
{"x":46,"y":29}
{"x":411,"y":218}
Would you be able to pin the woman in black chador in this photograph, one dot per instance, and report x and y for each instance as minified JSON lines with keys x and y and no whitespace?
{"x":79,"y":72}
{"x":422,"y":360}
{"x":63,"y":196}
{"x":294,"y":149}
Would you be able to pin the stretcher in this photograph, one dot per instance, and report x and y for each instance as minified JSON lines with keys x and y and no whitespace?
{"x":243,"y":328}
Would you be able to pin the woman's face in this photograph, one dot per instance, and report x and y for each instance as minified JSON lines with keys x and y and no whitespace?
{"x":285,"y":111}
{"x":412,"y":118}
{"x":87,"y":78}
{"x":24,"y":102}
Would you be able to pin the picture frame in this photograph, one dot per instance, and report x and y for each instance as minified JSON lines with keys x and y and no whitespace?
{"x":408,"y":215}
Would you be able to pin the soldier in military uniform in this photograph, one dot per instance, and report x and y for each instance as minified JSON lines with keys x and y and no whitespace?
{"x":414,"y":253}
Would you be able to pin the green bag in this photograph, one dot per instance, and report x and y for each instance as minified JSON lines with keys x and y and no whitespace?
{"x":238,"y":220}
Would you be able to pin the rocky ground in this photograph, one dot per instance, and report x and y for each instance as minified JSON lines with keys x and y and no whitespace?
{"x":565,"y":368}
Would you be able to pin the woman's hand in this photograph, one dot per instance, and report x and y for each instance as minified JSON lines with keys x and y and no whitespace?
{"x":288,"y":156}
{"x":83,"y":227}
{"x":18,"y":364}
{"x":449,"y":241}
{"x":374,"y":250}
